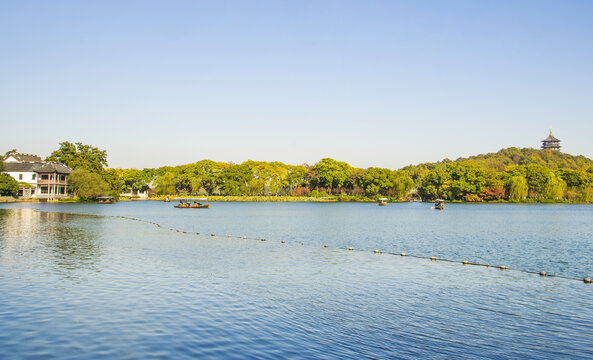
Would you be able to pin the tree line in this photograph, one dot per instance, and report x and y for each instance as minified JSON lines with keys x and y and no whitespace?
{"x":511,"y":174}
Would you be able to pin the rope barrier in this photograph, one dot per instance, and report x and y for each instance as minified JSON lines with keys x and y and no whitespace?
{"x":586,"y":280}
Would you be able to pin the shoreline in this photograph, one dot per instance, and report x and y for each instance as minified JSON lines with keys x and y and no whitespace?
{"x":302,"y":199}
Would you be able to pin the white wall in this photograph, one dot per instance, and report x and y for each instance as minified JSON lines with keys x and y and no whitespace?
{"x":27,"y":177}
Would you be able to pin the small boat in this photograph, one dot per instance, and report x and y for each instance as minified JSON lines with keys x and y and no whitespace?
{"x":185,"y":204}
{"x":167,"y":199}
{"x":382,"y":202}
{"x":105,"y":200}
{"x":439,"y":204}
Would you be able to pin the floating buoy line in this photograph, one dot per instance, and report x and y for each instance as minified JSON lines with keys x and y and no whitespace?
{"x":586,"y":280}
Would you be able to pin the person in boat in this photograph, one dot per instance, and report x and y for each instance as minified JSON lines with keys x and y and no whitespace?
{"x":439,"y":204}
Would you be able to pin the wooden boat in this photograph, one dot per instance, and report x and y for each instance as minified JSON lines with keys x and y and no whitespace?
{"x":382,"y":202}
{"x":105,"y":200}
{"x":185,"y":204}
{"x":439,"y":204}
{"x":192,"y":206}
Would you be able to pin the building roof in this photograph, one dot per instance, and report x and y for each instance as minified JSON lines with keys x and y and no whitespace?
{"x":550,"y":138}
{"x":38,"y":167}
{"x":25,"y":157}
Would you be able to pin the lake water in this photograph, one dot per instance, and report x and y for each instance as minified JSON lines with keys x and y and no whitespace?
{"x":90,"y":287}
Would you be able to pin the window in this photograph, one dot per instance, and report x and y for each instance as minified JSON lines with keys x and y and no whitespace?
{"x":20,"y":176}
{"x":44,"y":177}
{"x":33,"y":176}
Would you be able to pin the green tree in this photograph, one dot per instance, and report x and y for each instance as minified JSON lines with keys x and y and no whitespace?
{"x":331,"y":173}
{"x":165,"y":184}
{"x":537,"y":176}
{"x":435,"y":184}
{"x":234,"y":180}
{"x":87,"y":185}
{"x":453,"y":181}
{"x":80,"y":156}
{"x":113,"y":178}
{"x":8,"y":185}
{"x":402,"y":183}
{"x":517,"y":188}
{"x":296,"y":177}
{"x":376,"y":181}
{"x":554,"y":187}
{"x":205,"y":174}
{"x":467,"y":179}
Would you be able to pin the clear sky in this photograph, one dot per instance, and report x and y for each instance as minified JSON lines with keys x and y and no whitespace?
{"x":372,"y":83}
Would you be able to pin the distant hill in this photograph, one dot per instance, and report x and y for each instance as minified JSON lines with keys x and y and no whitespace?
{"x":524,"y":156}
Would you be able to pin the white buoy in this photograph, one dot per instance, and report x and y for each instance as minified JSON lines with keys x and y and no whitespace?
{"x":542,"y":273}
{"x":432,"y":258}
{"x":350,"y":248}
{"x":465,"y":262}
{"x":502,"y":267}
{"x":403,"y":254}
{"x":587,"y":280}
{"x":376,"y":251}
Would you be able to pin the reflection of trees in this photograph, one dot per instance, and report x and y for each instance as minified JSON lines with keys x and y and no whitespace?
{"x":66,"y":241}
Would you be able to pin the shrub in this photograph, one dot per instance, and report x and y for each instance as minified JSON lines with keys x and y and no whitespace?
{"x":472,"y":198}
{"x":8,"y":185}
{"x":301,"y":191}
{"x":492,"y":193}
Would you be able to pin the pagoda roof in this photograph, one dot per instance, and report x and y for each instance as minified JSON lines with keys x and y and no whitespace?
{"x":550,"y":139}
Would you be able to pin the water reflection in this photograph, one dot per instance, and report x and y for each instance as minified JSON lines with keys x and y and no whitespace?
{"x":64,"y":242}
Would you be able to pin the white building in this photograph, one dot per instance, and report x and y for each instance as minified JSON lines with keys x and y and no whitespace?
{"x":37,"y":178}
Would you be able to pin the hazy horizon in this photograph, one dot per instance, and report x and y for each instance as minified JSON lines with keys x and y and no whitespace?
{"x":383,"y":84}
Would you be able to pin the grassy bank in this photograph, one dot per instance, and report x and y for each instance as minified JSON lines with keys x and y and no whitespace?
{"x":337,"y":198}
{"x":245,"y":198}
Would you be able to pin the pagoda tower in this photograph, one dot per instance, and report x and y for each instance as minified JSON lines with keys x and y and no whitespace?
{"x":551,"y":143}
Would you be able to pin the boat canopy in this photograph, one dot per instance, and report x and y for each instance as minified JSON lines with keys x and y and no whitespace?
{"x":440,"y":200}
{"x":382,"y":199}
{"x":191,"y":199}
{"x":104,"y":197}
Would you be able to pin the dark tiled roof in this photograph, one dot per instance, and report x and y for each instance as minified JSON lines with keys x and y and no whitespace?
{"x":38,"y":167}
{"x":18,"y":167}
{"x":53,"y":167}
{"x":27,"y":157}
{"x":550,"y":138}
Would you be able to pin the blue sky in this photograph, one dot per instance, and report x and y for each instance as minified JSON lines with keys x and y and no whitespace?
{"x":372,"y":83}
